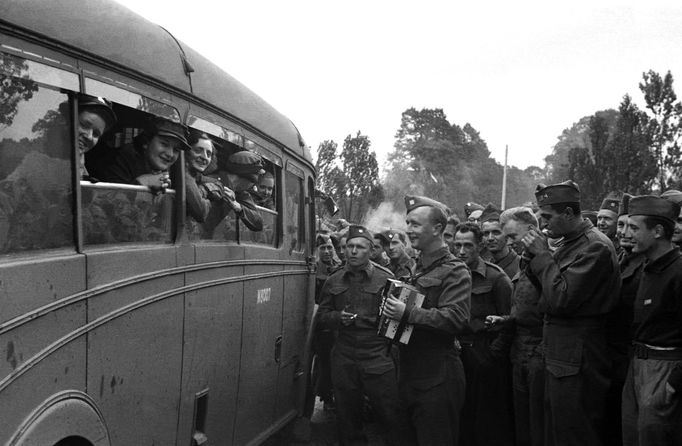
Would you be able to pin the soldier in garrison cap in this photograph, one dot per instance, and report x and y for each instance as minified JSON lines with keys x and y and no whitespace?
{"x":607,"y":218}
{"x":473,"y":211}
{"x":431,"y":375}
{"x":495,"y":242}
{"x":361,"y":361}
{"x":378,"y":254}
{"x":676,"y":197}
{"x":485,"y":349}
{"x":619,"y":324}
{"x":652,"y":409}
{"x":327,"y":264}
{"x":401,"y":263}
{"x":580,"y":284}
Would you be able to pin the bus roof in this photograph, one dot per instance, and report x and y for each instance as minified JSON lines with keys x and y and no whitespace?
{"x":110,"y":32}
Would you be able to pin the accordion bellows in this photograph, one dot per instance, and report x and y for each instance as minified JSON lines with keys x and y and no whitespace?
{"x":398,"y":331}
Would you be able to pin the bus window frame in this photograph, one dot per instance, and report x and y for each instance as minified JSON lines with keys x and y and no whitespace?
{"x":299,"y":173}
{"x":44,"y":64}
{"x":208,"y":126}
{"x":175,"y":172}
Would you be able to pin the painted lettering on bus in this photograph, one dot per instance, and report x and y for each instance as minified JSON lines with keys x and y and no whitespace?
{"x":263,"y":296}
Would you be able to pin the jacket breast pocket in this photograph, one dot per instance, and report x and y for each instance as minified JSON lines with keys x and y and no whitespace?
{"x":338,"y":295}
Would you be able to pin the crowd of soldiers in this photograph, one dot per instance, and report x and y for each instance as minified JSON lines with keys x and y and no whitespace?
{"x":538,"y":326}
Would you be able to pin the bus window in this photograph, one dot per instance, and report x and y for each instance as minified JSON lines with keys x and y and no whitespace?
{"x":35,"y":158}
{"x":118,"y":210}
{"x":266,"y":197}
{"x":294,"y":225}
{"x":209,"y":215}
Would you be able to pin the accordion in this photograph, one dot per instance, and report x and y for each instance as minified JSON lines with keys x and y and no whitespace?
{"x":398,"y":331}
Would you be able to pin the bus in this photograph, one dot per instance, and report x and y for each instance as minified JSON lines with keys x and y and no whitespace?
{"x":118,"y":325}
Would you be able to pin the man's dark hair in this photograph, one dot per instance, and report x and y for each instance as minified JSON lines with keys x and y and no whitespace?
{"x":470,"y":227}
{"x":668,"y":226}
{"x":561,"y":207}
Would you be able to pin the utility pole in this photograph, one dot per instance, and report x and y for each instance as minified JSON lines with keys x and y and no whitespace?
{"x":504,"y":178}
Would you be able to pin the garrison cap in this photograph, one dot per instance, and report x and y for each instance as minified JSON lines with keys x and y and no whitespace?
{"x":384,"y":236}
{"x":589,"y":215}
{"x":360,"y":231}
{"x":175,"y":130}
{"x":390,"y":234}
{"x":673,"y":195}
{"x":610,"y":204}
{"x":490,"y":213}
{"x":566,"y":192}
{"x":100,"y":104}
{"x":471,"y":207}
{"x":624,"y":204}
{"x":322,"y":239}
{"x":653,"y":206}
{"x":245,"y":164}
{"x":413,"y":202}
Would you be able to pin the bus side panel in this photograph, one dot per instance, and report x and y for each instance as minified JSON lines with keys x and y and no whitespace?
{"x":258,"y":375}
{"x":212,"y":348}
{"x":296,"y":319}
{"x":134,"y":366}
{"x":62,"y":370}
{"x":26,"y":286}
{"x":134,"y":357}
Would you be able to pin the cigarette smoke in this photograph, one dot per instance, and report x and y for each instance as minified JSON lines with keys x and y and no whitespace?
{"x":384,"y":217}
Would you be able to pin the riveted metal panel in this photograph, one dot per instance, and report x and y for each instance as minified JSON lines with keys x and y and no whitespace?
{"x":258,"y":374}
{"x":212,"y":350}
{"x":134,"y":371}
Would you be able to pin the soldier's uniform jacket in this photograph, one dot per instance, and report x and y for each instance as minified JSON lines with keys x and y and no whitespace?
{"x":580,"y":286}
{"x":620,"y":321}
{"x":403,"y":267}
{"x":445,"y":282}
{"x":322,"y":273}
{"x":491,"y":292}
{"x":658,"y":306}
{"x":509,"y":263}
{"x":525,"y":317}
{"x":357,"y":292}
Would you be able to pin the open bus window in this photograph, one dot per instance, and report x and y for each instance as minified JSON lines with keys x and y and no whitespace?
{"x":118,"y":210}
{"x":265,"y":196}
{"x":35,"y":158}
{"x":209,"y":217}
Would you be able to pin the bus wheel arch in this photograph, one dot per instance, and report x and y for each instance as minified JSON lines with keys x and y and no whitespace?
{"x":66,"y":418}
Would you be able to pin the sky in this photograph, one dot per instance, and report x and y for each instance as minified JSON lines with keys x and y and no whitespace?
{"x":519,"y":72}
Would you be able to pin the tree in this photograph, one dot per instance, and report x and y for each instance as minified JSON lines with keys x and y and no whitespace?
{"x":664,"y":127}
{"x":330,"y":178}
{"x":361,"y":171}
{"x":447,"y":162}
{"x":15,"y":87}
{"x":631,"y":165}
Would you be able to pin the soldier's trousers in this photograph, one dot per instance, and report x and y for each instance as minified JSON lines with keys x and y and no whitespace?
{"x":576,"y":382}
{"x":528,"y":375}
{"x":433,"y":406}
{"x":488,"y":397}
{"x":354,"y":379}
{"x":652,"y":416}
